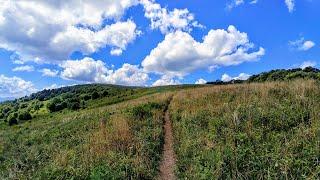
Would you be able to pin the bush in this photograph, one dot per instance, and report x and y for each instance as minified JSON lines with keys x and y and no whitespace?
{"x":12,"y":119}
{"x":52,"y":104}
{"x":74,"y":105}
{"x":105,"y":93}
{"x":24,"y":115}
{"x":95,"y":95}
{"x":86,"y":97}
{"x":37,"y":105}
{"x":56,"y":105}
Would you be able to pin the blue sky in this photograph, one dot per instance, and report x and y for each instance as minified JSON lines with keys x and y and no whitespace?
{"x":49,"y":44}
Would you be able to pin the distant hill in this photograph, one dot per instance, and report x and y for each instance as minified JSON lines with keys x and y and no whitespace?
{"x":278,"y":75}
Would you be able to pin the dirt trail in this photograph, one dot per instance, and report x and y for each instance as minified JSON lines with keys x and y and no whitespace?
{"x":168,"y":157}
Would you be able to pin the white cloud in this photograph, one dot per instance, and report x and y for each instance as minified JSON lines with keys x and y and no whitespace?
{"x":14,"y":87}
{"x":52,"y":30}
{"x":116,"y":52}
{"x":308,"y":64}
{"x":254,"y":2}
{"x":54,"y":86}
{"x":89,"y":70}
{"x":201,"y":81}
{"x":117,"y":35}
{"x":242,"y":76}
{"x":49,"y":72}
{"x":308,"y":45}
{"x":234,"y":3}
{"x":290,"y":5}
{"x":23,"y":68}
{"x":166,"y":80}
{"x":226,"y":78}
{"x":179,"y":54}
{"x":301,"y":44}
{"x":127,"y":75}
{"x":168,"y":21}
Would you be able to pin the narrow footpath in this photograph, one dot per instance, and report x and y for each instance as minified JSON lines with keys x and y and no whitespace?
{"x":168,"y":161}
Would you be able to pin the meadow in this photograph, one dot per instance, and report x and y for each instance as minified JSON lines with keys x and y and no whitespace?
{"x":117,"y":141}
{"x":267,"y":130}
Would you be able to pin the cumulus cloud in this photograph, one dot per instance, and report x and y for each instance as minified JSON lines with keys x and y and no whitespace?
{"x":242,"y":76}
{"x":49,"y":72}
{"x":301,"y":44}
{"x":14,"y":87}
{"x":90,"y":70}
{"x":168,"y":21}
{"x":308,"y":64}
{"x":201,"y":81}
{"x":180,"y":54}
{"x":52,"y":30}
{"x":23,"y":68}
{"x":166,"y":80}
{"x":290,"y":5}
{"x":226,"y":78}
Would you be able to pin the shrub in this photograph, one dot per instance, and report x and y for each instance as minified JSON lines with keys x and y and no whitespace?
{"x":24,"y":115}
{"x":86,"y":97}
{"x":74,"y":105}
{"x":105,"y":93}
{"x":56,"y":105}
{"x":95,"y":95}
{"x":52,"y":104}
{"x":12,"y":119}
{"x":144,"y":111}
{"x":23,"y":105}
{"x":37,"y":105}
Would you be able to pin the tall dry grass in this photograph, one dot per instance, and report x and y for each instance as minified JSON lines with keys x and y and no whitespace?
{"x":261,"y":130}
{"x":78,"y":145}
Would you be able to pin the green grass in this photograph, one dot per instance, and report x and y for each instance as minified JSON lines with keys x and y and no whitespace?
{"x":66,"y":144}
{"x":244,"y":131}
{"x":250,"y":131}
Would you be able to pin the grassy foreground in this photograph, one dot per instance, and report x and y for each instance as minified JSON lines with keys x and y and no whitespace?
{"x":248,"y":131}
{"x":117,"y":142}
{"x":265,"y":130}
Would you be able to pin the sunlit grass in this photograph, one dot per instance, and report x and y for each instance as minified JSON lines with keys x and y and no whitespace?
{"x":249,"y":131}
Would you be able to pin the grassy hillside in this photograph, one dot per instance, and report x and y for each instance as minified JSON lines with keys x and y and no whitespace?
{"x":248,"y":131}
{"x":236,"y":131}
{"x":277,"y":75}
{"x":119,"y":141}
{"x":73,"y":98}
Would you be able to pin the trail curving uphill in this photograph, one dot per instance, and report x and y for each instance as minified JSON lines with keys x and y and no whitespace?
{"x":168,"y":161}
